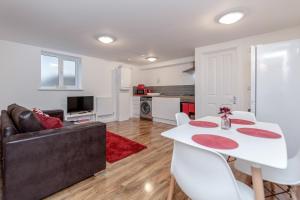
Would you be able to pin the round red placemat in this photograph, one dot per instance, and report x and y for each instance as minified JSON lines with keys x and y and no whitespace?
{"x":241,"y":121}
{"x":215,"y":141}
{"x":203,"y":124}
{"x":255,"y":132}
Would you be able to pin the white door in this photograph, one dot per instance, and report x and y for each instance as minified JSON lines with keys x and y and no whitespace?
{"x":219,"y":84}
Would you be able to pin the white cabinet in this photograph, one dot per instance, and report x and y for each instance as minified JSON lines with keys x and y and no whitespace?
{"x":123,"y":110}
{"x":125,"y":78}
{"x":164,"y":109}
{"x":135,"y":106}
{"x":81,"y":117}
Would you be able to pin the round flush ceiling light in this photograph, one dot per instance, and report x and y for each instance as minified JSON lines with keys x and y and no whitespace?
{"x":106,"y":39}
{"x":231,"y":18}
{"x":151,"y":59}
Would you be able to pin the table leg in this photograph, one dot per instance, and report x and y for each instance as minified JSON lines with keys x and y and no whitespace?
{"x":258,"y":185}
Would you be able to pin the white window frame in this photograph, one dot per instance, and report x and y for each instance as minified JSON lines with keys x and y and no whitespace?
{"x":61,"y":58}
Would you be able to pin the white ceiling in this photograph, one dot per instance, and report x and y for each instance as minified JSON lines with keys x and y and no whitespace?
{"x":168,"y":29}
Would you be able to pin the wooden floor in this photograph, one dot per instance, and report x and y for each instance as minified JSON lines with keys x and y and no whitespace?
{"x":142,"y":176}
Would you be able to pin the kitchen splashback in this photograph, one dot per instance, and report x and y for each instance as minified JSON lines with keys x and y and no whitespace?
{"x":174,"y":90}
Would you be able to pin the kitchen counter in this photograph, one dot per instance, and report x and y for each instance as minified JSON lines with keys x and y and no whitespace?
{"x":184,"y":98}
{"x":189,"y":99}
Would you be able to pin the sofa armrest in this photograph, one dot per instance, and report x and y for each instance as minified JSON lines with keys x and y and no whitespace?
{"x":40,"y":163}
{"x":55,"y":113}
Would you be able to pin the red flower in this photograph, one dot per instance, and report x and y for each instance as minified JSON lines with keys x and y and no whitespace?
{"x":225,"y":111}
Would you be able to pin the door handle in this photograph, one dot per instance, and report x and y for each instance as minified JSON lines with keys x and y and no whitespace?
{"x":234,"y":100}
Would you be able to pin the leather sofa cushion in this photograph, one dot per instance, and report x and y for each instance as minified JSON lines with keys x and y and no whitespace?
{"x":67,"y":123}
{"x":24,"y":119}
{"x":55,"y":113}
{"x":10,"y":108}
{"x":7,"y":126}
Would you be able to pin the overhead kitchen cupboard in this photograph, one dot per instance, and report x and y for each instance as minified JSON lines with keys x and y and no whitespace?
{"x":164,"y":109}
{"x":125,"y":78}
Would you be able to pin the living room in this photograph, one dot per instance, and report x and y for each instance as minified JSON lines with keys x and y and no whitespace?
{"x":94,"y":96}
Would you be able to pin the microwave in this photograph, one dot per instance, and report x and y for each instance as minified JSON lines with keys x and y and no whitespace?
{"x":141,"y":91}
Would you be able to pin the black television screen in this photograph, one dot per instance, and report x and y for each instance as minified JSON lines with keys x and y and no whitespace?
{"x":80,"y":104}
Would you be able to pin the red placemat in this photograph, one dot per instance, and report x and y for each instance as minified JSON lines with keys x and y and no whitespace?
{"x":203,"y":124}
{"x":255,"y":132}
{"x":215,"y":141}
{"x":241,"y":121}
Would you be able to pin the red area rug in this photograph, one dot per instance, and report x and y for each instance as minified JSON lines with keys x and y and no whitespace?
{"x":118,"y":147}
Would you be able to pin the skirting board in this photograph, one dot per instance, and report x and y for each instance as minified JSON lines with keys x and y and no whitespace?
{"x":106,"y":119}
{"x":166,"y":121}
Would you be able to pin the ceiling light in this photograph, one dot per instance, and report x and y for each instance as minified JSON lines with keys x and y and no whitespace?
{"x":151,"y":59}
{"x":231,"y":18}
{"x":106,"y":39}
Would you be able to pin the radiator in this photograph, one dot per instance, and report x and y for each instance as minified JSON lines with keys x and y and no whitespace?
{"x":104,"y":106}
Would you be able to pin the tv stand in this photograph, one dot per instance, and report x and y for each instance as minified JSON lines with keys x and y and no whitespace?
{"x":81,"y":116}
{"x":78,"y":113}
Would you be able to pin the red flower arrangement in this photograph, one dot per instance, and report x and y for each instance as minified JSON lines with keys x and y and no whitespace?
{"x":225,"y":111}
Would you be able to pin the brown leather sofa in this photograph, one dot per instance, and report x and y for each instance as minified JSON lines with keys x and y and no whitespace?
{"x":39,"y":163}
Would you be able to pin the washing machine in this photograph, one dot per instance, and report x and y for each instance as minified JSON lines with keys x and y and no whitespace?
{"x":146,"y":108}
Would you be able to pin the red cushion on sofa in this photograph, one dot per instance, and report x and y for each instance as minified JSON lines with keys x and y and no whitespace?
{"x":47,"y":121}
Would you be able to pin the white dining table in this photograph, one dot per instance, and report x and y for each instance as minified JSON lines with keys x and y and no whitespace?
{"x":256,"y":150}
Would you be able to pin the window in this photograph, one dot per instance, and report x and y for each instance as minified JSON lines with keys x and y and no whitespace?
{"x":60,"y":72}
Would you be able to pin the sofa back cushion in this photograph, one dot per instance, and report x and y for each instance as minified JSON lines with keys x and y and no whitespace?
{"x":7,"y":126}
{"x":11,"y":107}
{"x":24,"y":119}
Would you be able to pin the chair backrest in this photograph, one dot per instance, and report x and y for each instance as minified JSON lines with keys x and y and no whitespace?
{"x":293,"y":167}
{"x":244,"y":115}
{"x":182,"y":118}
{"x":288,"y":176}
{"x":203,"y":174}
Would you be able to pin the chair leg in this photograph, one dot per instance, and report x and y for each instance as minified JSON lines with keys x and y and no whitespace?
{"x":294,"y":192}
{"x":248,"y":181}
{"x":272,"y":188}
{"x":171,"y":188}
{"x":228,"y":158}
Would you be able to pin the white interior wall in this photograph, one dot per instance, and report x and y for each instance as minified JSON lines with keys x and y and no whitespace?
{"x":166,"y":75}
{"x":244,"y":60}
{"x":20,"y":77}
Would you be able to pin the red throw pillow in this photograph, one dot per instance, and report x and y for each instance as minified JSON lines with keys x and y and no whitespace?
{"x":47,"y":121}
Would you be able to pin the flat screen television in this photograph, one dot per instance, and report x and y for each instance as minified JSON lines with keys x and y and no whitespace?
{"x":80,"y":104}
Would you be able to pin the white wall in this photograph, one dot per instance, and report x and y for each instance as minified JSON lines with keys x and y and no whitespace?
{"x":20,"y":78}
{"x":244,"y":60}
{"x":166,"y":73}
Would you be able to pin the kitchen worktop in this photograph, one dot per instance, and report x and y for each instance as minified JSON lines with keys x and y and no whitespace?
{"x":183,"y":98}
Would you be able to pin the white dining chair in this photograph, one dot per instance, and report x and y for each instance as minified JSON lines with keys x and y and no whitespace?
{"x":182,"y":118}
{"x":205,"y":175}
{"x":243,"y":115}
{"x":289,"y":176}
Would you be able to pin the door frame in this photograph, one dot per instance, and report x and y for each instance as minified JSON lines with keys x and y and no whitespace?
{"x":199,"y":75}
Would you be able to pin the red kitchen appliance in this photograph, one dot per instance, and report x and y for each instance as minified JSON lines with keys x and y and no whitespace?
{"x":188,"y":108}
{"x":141,"y":90}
